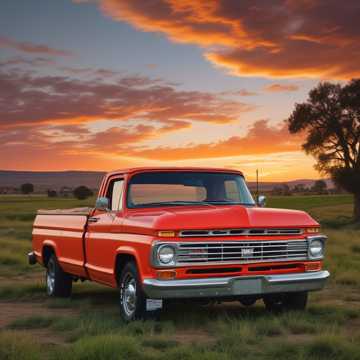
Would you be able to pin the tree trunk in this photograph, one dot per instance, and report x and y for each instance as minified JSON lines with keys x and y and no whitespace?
{"x":357,"y":207}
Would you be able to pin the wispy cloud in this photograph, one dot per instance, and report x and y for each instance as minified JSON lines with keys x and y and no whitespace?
{"x":275,"y":88}
{"x":32,"y":62}
{"x":31,"y":48}
{"x":127,"y":142}
{"x":27,"y":98}
{"x":260,"y":139}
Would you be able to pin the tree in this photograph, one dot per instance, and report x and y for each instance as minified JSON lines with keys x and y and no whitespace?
{"x":299,"y":188}
{"x":319,"y":187}
{"x":282,"y":189}
{"x":27,"y":188}
{"x":52,"y":193}
{"x":82,"y":192}
{"x":331,"y":120}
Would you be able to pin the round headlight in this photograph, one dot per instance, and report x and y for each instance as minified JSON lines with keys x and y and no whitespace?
{"x":166,"y":254}
{"x":316,"y":248}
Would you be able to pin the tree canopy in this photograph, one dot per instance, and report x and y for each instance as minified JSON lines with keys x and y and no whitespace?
{"x":330,"y":119}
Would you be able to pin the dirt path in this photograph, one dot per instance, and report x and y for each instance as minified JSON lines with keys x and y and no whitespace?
{"x":28,"y":278}
{"x":11,"y":311}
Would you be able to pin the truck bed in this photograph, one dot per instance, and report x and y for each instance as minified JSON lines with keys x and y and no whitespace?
{"x":62,"y":230}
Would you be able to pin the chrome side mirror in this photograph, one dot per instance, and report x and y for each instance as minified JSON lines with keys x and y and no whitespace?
{"x":102,"y":203}
{"x":261,"y":200}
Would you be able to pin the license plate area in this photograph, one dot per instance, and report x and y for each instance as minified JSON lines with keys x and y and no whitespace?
{"x":247,"y":286}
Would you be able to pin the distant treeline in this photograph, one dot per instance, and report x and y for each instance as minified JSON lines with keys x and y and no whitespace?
{"x":318,"y":188}
{"x":80,"y":192}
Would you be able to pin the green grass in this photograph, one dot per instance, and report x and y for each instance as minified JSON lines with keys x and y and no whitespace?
{"x":15,"y":346}
{"x":307,"y":203}
{"x":16,"y":217}
{"x":90,"y":327}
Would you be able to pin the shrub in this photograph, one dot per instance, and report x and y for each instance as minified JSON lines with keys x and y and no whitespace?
{"x":82,"y":192}
{"x":27,"y":188}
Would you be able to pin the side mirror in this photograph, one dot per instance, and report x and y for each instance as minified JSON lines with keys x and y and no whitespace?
{"x":261,"y":200}
{"x":102,"y":203}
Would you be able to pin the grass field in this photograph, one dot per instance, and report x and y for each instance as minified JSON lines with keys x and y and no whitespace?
{"x":87,"y":326}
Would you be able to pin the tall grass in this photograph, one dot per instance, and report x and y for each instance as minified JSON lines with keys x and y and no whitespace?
{"x":16,"y":346}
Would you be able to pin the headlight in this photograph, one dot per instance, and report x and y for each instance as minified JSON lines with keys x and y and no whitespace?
{"x":166,"y":254}
{"x":316,"y":248}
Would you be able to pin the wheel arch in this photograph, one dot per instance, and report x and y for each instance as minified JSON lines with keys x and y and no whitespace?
{"x":48,"y":248}
{"x":125,"y":254}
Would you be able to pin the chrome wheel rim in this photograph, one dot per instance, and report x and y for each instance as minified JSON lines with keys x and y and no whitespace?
{"x":50,"y":278}
{"x":129,"y":295}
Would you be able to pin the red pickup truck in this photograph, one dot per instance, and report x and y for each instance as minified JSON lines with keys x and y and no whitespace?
{"x":170,"y":233}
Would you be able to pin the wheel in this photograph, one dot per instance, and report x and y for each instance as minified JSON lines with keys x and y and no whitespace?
{"x":58,"y":283}
{"x":288,"y":301}
{"x":132,"y":297}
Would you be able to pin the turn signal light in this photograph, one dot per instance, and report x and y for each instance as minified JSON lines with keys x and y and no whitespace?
{"x":166,"y":233}
{"x":313,"y":266}
{"x":166,"y":274}
{"x":312,"y":230}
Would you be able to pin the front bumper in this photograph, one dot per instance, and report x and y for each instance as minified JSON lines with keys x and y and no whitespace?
{"x":233,"y":286}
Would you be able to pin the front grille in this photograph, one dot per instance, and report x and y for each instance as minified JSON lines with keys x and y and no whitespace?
{"x":248,"y":232}
{"x":241,"y":251}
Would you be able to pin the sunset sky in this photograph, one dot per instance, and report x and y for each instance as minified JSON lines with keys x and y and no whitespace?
{"x":106,"y":84}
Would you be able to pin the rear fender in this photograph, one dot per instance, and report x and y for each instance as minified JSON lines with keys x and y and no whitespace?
{"x":49,"y":243}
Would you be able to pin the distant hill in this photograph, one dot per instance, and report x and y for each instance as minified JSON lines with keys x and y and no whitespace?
{"x":44,"y":180}
{"x":51,"y":179}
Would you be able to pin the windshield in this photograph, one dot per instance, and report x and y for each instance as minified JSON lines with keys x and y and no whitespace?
{"x":187,"y":188}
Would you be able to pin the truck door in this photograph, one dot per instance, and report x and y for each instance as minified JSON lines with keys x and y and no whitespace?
{"x":100,"y":242}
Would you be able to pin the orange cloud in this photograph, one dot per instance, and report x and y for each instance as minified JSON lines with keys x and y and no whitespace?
{"x":260,"y":139}
{"x":127,"y":141}
{"x":275,"y":88}
{"x":46,"y":147}
{"x":281,"y":38}
{"x":30,"y":48}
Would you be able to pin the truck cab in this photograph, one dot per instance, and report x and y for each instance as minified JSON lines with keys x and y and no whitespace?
{"x":158,"y":234}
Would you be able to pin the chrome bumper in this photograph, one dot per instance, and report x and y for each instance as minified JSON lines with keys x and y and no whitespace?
{"x":233,"y":286}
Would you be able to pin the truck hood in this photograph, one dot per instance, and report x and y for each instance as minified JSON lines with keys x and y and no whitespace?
{"x":215,"y":217}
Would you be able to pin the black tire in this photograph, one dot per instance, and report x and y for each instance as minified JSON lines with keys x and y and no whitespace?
{"x":58,"y":283}
{"x":288,"y":301}
{"x":132,"y":297}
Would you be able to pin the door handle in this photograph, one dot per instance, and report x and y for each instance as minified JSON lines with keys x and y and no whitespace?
{"x":93,"y":219}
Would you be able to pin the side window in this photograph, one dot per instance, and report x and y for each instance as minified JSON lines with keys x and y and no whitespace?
{"x":115,"y":194}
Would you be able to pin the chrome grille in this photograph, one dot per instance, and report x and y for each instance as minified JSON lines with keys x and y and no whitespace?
{"x":248,"y":232}
{"x":241,"y":251}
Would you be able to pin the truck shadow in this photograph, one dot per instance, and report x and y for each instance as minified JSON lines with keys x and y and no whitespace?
{"x":179,"y":311}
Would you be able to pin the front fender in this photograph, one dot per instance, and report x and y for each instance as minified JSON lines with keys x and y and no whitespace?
{"x":129,"y":250}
